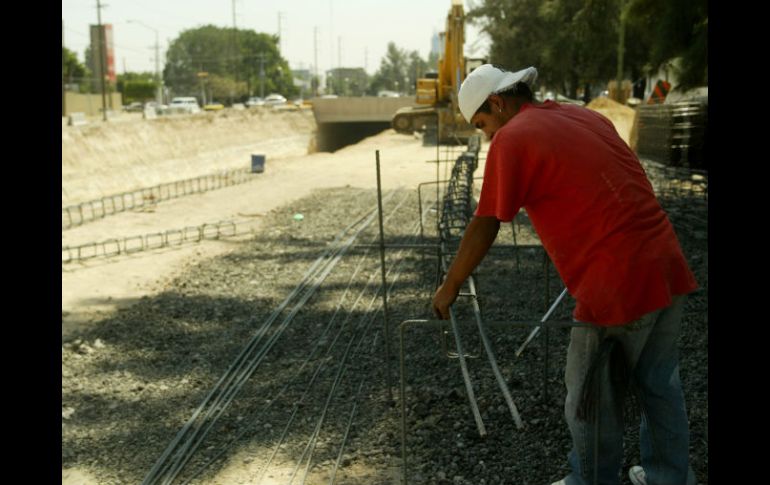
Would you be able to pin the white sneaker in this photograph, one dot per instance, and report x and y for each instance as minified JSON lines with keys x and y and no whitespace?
{"x":637,"y":475}
{"x":560,"y":482}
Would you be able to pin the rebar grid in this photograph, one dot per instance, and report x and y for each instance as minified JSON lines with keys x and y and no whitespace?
{"x":683,"y":194}
{"x":79,"y":214}
{"x":674,"y":134}
{"x":155,"y":240}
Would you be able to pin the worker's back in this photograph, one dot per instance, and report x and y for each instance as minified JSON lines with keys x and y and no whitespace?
{"x":593,"y":208}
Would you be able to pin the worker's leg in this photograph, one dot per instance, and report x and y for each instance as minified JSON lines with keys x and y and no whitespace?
{"x":583,"y":346}
{"x":664,"y":433}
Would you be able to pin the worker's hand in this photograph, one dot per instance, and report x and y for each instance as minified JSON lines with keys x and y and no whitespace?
{"x":443,"y":299}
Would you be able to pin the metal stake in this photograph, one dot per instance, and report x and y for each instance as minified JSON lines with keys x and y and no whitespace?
{"x":384,"y":284}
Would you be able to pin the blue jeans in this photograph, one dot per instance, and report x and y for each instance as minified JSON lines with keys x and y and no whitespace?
{"x":650,"y":346}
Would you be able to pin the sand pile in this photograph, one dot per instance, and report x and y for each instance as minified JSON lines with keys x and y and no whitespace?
{"x":622,"y":116}
{"x":107,"y":158}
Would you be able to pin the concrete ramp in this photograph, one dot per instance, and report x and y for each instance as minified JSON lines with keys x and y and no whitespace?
{"x":348,"y":120}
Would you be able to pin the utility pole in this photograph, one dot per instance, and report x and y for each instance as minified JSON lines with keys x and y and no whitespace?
{"x":234,"y":57}
{"x":331,"y":41}
{"x":339,"y":64}
{"x":315,"y":82}
{"x":621,"y":48}
{"x":158,"y":79}
{"x":102,"y":58}
{"x":261,"y":56}
{"x":63,"y":91}
{"x":280,"y":32}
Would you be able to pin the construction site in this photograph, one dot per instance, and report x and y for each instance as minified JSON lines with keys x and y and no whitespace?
{"x":247,"y":296}
{"x":221,"y":325}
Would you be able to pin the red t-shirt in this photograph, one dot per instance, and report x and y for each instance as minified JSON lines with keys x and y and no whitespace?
{"x":590,"y":202}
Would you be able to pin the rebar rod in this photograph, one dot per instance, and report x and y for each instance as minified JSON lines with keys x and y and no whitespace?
{"x":466,"y":376}
{"x":230,"y":393}
{"x":371,"y":316}
{"x":347,"y":432}
{"x":384,"y":285}
{"x":492,"y":360}
{"x":239,"y":361}
{"x":536,"y":330}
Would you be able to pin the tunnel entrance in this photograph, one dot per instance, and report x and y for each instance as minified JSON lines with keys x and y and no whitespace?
{"x":331,"y":137}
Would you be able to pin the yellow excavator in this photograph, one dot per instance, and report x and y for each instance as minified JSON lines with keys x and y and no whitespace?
{"x":437,"y":92}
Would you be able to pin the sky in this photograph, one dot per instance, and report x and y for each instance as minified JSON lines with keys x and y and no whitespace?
{"x":351,"y":33}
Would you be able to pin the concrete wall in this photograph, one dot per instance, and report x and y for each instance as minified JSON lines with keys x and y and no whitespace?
{"x":361,"y":109}
{"x":90,"y":104}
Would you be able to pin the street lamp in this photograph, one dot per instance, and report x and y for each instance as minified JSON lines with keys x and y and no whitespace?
{"x":158,"y":80}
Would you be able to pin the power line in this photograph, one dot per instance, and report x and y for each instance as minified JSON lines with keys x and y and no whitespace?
{"x":114,"y":44}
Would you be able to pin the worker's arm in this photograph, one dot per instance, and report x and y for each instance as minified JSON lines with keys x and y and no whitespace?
{"x":479,"y":236}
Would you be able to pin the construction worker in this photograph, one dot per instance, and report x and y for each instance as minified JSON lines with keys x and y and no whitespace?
{"x":595,"y":212}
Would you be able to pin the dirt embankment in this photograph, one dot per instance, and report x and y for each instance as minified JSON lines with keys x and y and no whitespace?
{"x":621,"y":116}
{"x":107,"y":158}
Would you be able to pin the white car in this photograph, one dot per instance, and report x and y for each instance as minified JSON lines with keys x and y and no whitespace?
{"x":185,"y":104}
{"x":255,"y":101}
{"x":274,"y":100}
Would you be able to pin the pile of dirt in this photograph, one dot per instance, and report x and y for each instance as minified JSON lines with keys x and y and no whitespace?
{"x":623,"y":117}
{"x":106,"y":158}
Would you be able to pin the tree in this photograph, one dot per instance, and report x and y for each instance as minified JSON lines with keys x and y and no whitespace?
{"x":417,"y":69}
{"x":393,"y":74}
{"x":676,"y":29}
{"x":220,"y":87}
{"x":433,"y":61}
{"x":233,"y":59}
{"x":571,"y":42}
{"x":347,"y":81}
{"x":72,"y":70}
{"x":575,"y":42}
{"x":137,"y":86}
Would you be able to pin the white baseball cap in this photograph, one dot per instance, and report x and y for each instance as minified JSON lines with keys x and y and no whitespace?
{"x":488,"y":79}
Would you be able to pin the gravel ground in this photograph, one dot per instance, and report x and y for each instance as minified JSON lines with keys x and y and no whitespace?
{"x":130,"y":383}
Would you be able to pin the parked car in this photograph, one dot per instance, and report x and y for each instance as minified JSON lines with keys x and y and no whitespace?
{"x":255,"y":101}
{"x":159,"y":108}
{"x":213,"y":106}
{"x":136,"y":106}
{"x":184,"y":104}
{"x":275,"y":100}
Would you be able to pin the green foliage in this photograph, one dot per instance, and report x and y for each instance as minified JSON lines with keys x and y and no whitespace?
{"x":417,"y":69}
{"x":433,"y":61}
{"x":575,"y":42}
{"x":571,"y":42}
{"x":72,"y":70}
{"x":676,"y":29}
{"x":220,"y":88}
{"x":399,"y":71}
{"x":347,"y":81}
{"x":232,"y":58}
{"x":137,"y":86}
